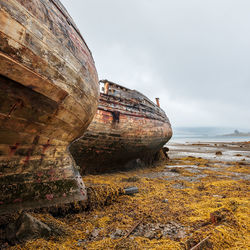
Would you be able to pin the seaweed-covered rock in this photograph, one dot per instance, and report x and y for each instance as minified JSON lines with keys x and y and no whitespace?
{"x":26,"y":227}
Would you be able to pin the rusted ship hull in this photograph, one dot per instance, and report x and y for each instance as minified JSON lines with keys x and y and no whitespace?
{"x":48,"y":94}
{"x":127,"y":126}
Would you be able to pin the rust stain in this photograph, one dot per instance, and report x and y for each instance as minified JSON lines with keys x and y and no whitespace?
{"x":13,"y":149}
{"x":40,"y":174}
{"x":27,"y":158}
{"x":46,"y":146}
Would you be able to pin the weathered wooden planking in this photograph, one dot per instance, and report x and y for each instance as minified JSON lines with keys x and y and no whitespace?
{"x":141,"y":130}
{"x":48,"y":93}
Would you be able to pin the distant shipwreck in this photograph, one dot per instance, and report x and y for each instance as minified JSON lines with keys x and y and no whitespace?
{"x":48,"y":93}
{"x":127,"y":126}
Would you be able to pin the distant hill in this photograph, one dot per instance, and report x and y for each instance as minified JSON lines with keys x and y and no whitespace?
{"x":208,"y":132}
{"x":200,"y":131}
{"x":237,"y":133}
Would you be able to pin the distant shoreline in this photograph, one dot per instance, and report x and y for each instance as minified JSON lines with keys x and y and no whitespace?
{"x":199,"y":134}
{"x":236,"y":135}
{"x":209,"y":139}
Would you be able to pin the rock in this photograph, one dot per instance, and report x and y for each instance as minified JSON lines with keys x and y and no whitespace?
{"x":201,"y":187}
{"x":117,"y":234}
{"x":112,"y":236}
{"x":80,"y":242}
{"x":149,"y":234}
{"x":95,"y":232}
{"x":181,"y":234}
{"x":26,"y":227}
{"x":179,"y":186}
{"x":157,"y":230}
{"x":218,"y":196}
{"x":175,"y":170}
{"x":219,"y":215}
{"x":218,"y":153}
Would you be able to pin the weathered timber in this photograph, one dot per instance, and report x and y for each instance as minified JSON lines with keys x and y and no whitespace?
{"x":127,"y":126}
{"x":48,"y":96}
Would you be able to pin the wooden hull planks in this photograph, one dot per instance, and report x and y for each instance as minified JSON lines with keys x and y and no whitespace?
{"x":127,"y":126}
{"x":48,"y":93}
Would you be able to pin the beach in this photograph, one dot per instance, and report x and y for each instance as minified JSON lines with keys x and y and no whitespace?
{"x":198,"y":198}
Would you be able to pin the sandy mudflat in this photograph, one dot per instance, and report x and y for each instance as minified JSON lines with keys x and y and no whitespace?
{"x":231,"y":151}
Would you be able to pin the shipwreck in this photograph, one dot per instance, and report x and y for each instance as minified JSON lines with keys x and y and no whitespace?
{"x":127,"y":127}
{"x":48,"y":96}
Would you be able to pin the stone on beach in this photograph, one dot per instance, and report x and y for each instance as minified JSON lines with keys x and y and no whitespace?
{"x":218,"y":153}
{"x":26,"y":227}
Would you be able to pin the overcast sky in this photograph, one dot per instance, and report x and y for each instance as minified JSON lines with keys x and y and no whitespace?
{"x":193,"y":54}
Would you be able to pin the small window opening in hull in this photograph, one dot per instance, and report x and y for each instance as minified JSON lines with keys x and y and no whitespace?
{"x":116,"y":116}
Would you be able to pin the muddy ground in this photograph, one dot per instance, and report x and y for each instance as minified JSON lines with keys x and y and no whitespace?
{"x":199,"y":199}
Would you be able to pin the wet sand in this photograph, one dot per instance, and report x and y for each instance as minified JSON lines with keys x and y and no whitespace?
{"x":223,"y":158}
{"x":231,"y":151}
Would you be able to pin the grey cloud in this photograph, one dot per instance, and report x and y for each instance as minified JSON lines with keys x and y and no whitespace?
{"x":193,"y":54}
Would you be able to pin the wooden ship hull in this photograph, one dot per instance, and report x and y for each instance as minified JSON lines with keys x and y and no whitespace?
{"x":48,"y":96}
{"x":126,"y":127}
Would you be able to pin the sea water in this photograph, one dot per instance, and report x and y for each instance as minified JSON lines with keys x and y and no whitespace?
{"x":206,"y":134}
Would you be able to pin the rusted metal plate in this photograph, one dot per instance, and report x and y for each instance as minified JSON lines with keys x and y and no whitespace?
{"x":48,"y":92}
{"x":127,"y":126}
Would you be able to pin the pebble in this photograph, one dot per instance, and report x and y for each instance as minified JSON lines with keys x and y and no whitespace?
{"x":217,"y":196}
{"x":95,"y":232}
{"x":117,"y":234}
{"x":149,"y":234}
